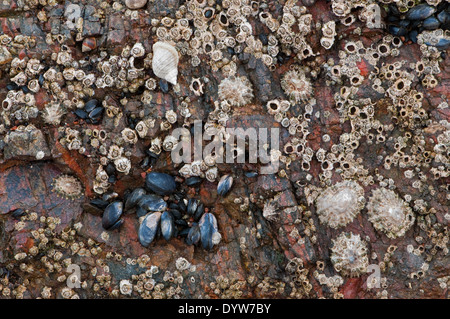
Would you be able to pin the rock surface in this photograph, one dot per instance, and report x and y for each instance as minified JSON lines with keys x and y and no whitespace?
{"x":284,"y":257}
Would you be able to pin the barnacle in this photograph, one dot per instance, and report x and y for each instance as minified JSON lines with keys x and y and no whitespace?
{"x":67,"y":186}
{"x":339,"y":204}
{"x":237,"y":91}
{"x":270,"y":211}
{"x":52,"y":113}
{"x":389,"y":213}
{"x":349,"y":255}
{"x":129,"y":135}
{"x":296,"y":85}
{"x":123,"y":165}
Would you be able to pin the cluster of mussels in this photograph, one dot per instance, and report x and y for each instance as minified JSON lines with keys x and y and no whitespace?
{"x":91,"y":113}
{"x":418,"y":19}
{"x":164,"y":212}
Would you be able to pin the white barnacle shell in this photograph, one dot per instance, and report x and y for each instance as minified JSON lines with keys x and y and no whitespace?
{"x":129,"y":135}
{"x":137,"y":50}
{"x":20,"y":79}
{"x":126,"y":288}
{"x":171,"y":116}
{"x":211,"y":174}
{"x":33,"y":85}
{"x":123,"y":165}
{"x":170,"y":142}
{"x":327,"y":43}
{"x":165,"y":61}
{"x":69,"y":74}
{"x":186,"y":170}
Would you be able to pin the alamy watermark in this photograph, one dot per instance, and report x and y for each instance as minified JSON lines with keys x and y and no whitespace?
{"x":228,"y":145}
{"x":374,"y":280}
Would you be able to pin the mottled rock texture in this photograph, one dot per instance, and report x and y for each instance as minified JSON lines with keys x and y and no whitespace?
{"x":252,"y":249}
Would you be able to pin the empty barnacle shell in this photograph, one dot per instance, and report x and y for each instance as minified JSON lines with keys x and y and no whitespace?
{"x":196,"y":86}
{"x":165,"y":62}
{"x":273,"y":107}
{"x":149,"y":228}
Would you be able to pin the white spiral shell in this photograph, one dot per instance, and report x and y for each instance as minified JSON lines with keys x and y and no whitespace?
{"x":165,"y":62}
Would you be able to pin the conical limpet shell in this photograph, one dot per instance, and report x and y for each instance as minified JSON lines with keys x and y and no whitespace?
{"x":165,"y":62}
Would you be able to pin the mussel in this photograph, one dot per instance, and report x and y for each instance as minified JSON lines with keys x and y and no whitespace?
{"x":18,"y":212}
{"x":149,"y":228}
{"x":96,"y":114}
{"x":160,"y":183}
{"x":431,"y":23}
{"x":90,"y":105}
{"x":420,"y":12}
{"x":396,"y":30}
{"x":209,"y":233}
{"x":175,"y":213}
{"x":193,"y":236}
{"x":140,"y":212}
{"x":224,"y":185}
{"x":152,"y":202}
{"x":82,"y":114}
{"x":111,"y":216}
{"x":100,"y":203}
{"x":164,"y":85}
{"x":199,"y":212}
{"x":133,"y":199}
{"x":167,"y":225}
{"x":192,"y":206}
{"x":193,"y":181}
